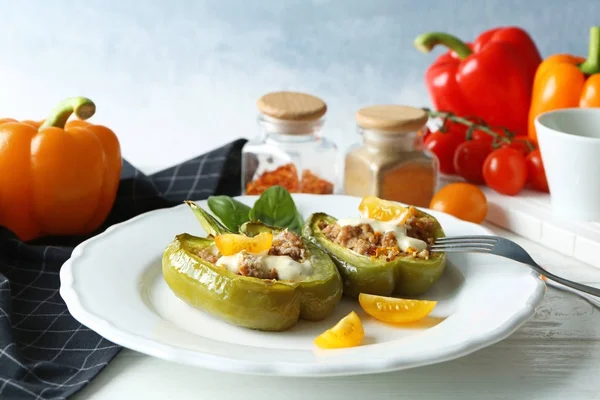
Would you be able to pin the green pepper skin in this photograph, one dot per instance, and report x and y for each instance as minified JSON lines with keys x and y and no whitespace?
{"x":266,"y":305}
{"x":253,"y":228}
{"x":404,"y":276}
{"x":209,"y":223}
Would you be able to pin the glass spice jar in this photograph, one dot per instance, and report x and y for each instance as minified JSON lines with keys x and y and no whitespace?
{"x":391,"y":163}
{"x":290,"y":150}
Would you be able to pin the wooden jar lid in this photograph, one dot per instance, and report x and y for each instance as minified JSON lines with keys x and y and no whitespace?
{"x":391,"y":119}
{"x":292,"y":106}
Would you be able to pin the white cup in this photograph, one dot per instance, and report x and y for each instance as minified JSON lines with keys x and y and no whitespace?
{"x":569,"y":141}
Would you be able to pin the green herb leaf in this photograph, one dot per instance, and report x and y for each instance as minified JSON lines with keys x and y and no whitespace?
{"x":277,"y":208}
{"x":231,"y":212}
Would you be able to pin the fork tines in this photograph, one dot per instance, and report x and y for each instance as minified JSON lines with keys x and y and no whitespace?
{"x":471,"y":244}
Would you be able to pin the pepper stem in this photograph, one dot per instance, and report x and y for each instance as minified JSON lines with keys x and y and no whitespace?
{"x":83,"y":108}
{"x":592,"y":64}
{"x":427,"y":41}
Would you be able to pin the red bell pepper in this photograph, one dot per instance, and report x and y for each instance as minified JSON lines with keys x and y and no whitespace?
{"x":492,"y":78}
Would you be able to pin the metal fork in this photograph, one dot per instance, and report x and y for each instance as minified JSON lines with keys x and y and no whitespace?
{"x":504,"y":248}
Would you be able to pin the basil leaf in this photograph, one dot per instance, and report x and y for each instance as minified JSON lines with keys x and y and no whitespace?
{"x":276,"y":207}
{"x":230,"y":211}
{"x":299,"y":222}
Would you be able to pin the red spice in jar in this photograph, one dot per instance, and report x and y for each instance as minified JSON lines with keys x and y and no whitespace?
{"x":287,"y":177}
{"x":315,"y":185}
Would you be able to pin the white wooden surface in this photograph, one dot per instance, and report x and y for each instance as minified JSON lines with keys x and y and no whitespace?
{"x":556,"y":355}
{"x":529,"y":214}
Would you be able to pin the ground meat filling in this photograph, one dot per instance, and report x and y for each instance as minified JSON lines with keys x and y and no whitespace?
{"x":360,"y":239}
{"x":251,"y":266}
{"x":421,"y":228}
{"x":285,"y":243}
{"x":207,"y":254}
{"x":363,"y":240}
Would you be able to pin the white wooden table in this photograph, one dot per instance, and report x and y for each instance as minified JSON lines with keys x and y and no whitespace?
{"x":556,"y":355}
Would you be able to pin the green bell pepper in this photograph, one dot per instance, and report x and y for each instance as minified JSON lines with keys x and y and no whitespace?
{"x":261,"y":304}
{"x":210,"y":224}
{"x":253,"y":228}
{"x":403,"y":276}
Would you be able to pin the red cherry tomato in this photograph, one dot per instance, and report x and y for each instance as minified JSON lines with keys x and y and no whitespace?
{"x":535,"y":172}
{"x":521,"y":143}
{"x":443,"y":145}
{"x":449,"y":127}
{"x":505,"y":170}
{"x":485,"y":136}
{"x":469,"y":158}
{"x":456,"y":129}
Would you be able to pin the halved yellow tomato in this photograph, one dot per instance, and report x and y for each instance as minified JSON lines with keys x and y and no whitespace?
{"x":231,"y":243}
{"x":348,"y":332}
{"x":390,"y":309}
{"x":384,"y":210}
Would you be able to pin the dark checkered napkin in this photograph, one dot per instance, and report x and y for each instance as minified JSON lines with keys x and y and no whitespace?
{"x":44,"y":352}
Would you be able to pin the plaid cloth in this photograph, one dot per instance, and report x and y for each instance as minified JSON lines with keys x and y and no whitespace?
{"x":44,"y":352}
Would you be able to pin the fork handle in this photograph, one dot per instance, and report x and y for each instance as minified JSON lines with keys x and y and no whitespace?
{"x":579,"y":286}
{"x":595,"y":301}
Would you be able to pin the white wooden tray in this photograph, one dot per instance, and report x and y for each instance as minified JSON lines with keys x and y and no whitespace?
{"x":529,"y":214}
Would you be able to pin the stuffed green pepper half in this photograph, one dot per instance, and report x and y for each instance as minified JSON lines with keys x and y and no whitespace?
{"x":264,"y":279}
{"x":381,"y":257}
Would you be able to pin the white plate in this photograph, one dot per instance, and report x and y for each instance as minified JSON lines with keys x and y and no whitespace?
{"x":113,"y":285}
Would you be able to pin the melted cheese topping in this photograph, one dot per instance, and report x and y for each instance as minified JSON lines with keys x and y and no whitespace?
{"x":287,"y":268}
{"x":404,"y":242}
{"x":232,"y":263}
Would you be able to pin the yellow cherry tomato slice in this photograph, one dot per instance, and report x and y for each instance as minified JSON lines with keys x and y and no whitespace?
{"x":231,"y":243}
{"x":348,"y":332}
{"x":389,"y":309}
{"x":384,"y":210}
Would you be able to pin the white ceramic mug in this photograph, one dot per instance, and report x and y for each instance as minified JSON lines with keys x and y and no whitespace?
{"x":569,"y":141}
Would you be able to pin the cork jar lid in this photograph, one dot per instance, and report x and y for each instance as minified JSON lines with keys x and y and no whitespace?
{"x":292,"y":106}
{"x":391,"y":119}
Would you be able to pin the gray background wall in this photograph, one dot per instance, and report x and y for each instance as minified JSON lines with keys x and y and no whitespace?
{"x":176,"y":78}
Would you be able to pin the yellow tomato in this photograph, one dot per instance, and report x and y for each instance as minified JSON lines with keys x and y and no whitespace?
{"x":348,"y":332}
{"x":462,"y":200}
{"x":230,"y":243}
{"x":383,"y":210}
{"x":389,"y":309}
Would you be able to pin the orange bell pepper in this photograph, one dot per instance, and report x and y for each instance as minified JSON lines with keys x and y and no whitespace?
{"x":566,"y":81}
{"x":57,"y":178}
